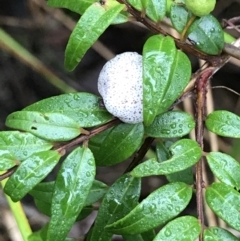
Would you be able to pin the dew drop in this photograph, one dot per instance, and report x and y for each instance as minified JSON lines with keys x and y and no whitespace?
{"x":168,"y":232}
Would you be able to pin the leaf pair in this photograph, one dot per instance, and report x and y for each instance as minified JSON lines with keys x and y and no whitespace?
{"x":205,"y":33}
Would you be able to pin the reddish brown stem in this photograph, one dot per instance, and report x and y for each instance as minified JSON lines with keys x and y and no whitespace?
{"x":91,"y":133}
{"x":201,"y":89}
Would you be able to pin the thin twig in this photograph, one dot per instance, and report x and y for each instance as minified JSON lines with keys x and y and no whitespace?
{"x":201,"y":88}
{"x":140,"y":154}
{"x":83,"y":138}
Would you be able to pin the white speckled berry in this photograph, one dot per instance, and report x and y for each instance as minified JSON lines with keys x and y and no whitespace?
{"x":120,"y":85}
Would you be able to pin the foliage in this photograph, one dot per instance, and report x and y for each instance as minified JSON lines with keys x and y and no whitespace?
{"x":48,"y":129}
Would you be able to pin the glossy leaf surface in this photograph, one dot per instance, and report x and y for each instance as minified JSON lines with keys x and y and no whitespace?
{"x":224,"y":123}
{"x":72,"y":186}
{"x":136,"y":4}
{"x":207,"y":35}
{"x":7,"y":160}
{"x":185,"y":153}
{"x":73,"y":5}
{"x":218,"y":234}
{"x":43,"y":192}
{"x":225,"y":168}
{"x":163,"y":154}
{"x":185,"y":228}
{"x":156,"y":9}
{"x":22,"y":145}
{"x":159,"y":207}
{"x":91,"y":25}
{"x":147,"y":236}
{"x":82,"y":107}
{"x":31,"y":171}
{"x":225,"y":202}
{"x":49,"y":126}
{"x":166,"y":72}
{"x":179,"y":17}
{"x":116,"y":145}
{"x":120,"y":199}
{"x":41,"y":235}
{"x":170,"y":125}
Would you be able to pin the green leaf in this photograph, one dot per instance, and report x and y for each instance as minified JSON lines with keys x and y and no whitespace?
{"x":218,"y":234}
{"x":122,"y":17}
{"x":207,"y":35}
{"x":43,"y":192}
{"x":7,"y":160}
{"x":117,"y":144}
{"x":136,"y":4}
{"x":224,"y":123}
{"x":171,"y":124}
{"x":156,"y":9}
{"x":49,"y":126}
{"x":225,"y":168}
{"x":120,"y":199}
{"x":40,"y":235}
{"x":82,"y":107}
{"x":179,"y":17}
{"x":72,"y":186}
{"x":73,"y":5}
{"x":91,"y":25}
{"x":185,"y":228}
{"x":31,"y":171}
{"x":166,"y":72}
{"x":147,"y":236}
{"x":163,"y":153}
{"x":22,"y":145}
{"x":185,"y":153}
{"x":225,"y":202}
{"x":159,"y":207}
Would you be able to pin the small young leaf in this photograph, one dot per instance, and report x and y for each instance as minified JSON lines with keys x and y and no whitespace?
{"x":117,"y":144}
{"x":179,"y":17}
{"x":73,"y":5}
{"x":218,"y":234}
{"x":82,"y":107}
{"x":207,"y":35}
{"x":224,"y":123}
{"x":72,"y":186}
{"x":225,"y":202}
{"x":49,"y":126}
{"x":31,"y":171}
{"x":156,"y":9}
{"x":166,"y":72}
{"x":120,"y":199}
{"x":171,"y":124}
{"x":185,"y":153}
{"x":7,"y":160}
{"x":185,"y":228}
{"x":159,"y":207}
{"x":225,"y":168}
{"x":22,"y":145}
{"x":91,"y":25}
